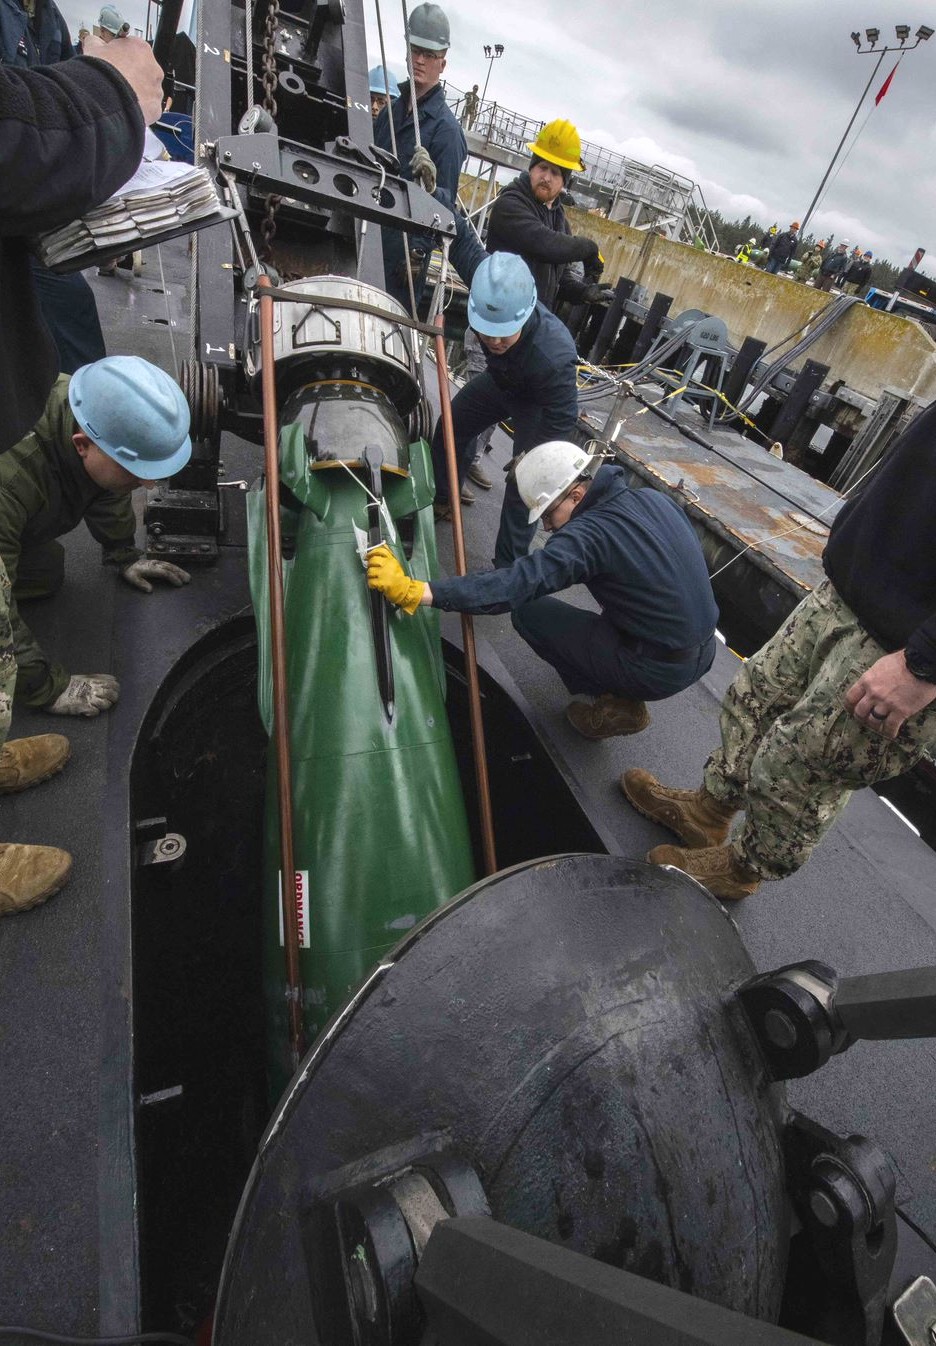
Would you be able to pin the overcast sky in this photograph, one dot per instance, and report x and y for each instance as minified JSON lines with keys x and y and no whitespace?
{"x":747,"y":99}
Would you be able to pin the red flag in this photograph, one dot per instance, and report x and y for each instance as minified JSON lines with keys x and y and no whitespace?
{"x":885,"y":86}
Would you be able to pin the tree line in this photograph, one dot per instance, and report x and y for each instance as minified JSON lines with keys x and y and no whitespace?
{"x":732,"y":233}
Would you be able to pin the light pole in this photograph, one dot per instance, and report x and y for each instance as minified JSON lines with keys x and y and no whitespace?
{"x":923,"y":34}
{"x":491,"y":54}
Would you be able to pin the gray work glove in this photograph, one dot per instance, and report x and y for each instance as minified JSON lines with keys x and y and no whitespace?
{"x":139,"y":573}
{"x":598,"y":294}
{"x":86,"y":694}
{"x":423,"y":169}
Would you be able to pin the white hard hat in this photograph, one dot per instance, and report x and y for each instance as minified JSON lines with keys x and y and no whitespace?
{"x":545,"y":473}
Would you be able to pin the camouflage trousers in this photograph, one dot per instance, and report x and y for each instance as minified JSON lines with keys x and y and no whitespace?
{"x":7,"y":657}
{"x":791,"y":754}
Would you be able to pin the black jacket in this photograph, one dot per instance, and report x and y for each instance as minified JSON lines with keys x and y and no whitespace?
{"x":834,"y":265}
{"x":880,"y":555}
{"x":784,"y":246}
{"x":636,"y":552}
{"x":859,"y":273}
{"x":541,"y":236}
{"x":70,"y":135}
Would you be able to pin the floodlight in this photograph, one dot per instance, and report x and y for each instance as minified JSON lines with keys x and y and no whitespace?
{"x":856,"y":38}
{"x":903,"y":31}
{"x":923,"y":33}
{"x":872,"y":34}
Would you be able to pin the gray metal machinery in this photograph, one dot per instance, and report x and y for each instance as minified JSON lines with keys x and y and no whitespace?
{"x":293,"y":155}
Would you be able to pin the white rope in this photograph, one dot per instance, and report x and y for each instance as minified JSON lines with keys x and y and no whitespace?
{"x":771,"y":537}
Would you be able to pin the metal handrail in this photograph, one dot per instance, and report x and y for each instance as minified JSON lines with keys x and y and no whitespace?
{"x":665,"y":194}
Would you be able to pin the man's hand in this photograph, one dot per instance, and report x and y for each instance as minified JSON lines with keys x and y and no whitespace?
{"x":598,"y":294}
{"x":888,"y":694}
{"x":423,"y":169}
{"x":86,"y":694}
{"x":593,"y":264}
{"x":387,"y":576}
{"x":139,"y":573}
{"x":135,"y":60}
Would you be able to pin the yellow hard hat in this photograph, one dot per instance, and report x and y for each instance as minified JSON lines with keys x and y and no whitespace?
{"x":559,"y":143}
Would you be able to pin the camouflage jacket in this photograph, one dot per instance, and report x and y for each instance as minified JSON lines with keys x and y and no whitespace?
{"x":44,"y":493}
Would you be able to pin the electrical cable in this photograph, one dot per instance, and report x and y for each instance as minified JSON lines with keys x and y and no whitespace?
{"x":137,"y":1339}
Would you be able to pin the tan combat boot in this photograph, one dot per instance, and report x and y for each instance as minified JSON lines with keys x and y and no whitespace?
{"x":718,"y":867}
{"x":697,"y":817}
{"x":30,"y":874}
{"x":27,"y":761}
{"x":610,"y":715}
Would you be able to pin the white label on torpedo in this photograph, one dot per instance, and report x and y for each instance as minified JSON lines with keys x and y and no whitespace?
{"x":302,"y":907}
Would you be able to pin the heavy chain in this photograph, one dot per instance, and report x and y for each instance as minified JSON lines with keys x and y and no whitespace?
{"x":268,"y":226}
{"x":270,"y":80}
{"x":269,"y":58}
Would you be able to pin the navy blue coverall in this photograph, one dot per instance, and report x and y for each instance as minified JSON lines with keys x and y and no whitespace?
{"x":533,"y":383}
{"x":639,"y":557}
{"x":441,"y":135}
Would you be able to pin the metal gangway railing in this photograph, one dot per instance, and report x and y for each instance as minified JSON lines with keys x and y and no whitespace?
{"x":645,"y":196}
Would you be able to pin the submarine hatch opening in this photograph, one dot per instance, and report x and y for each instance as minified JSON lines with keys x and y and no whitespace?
{"x":200,"y":1082}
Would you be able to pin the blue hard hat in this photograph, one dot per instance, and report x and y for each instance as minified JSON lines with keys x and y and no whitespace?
{"x":503,"y":295}
{"x":135,"y":413}
{"x":375,"y":79}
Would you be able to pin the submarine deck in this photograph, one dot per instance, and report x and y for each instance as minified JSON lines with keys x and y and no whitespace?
{"x":866,"y":902}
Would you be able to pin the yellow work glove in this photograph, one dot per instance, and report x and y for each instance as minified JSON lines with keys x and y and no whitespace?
{"x":385,"y":574}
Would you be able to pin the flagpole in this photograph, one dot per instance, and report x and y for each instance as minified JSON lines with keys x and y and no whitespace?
{"x":923,"y":34}
{"x":838,"y":151}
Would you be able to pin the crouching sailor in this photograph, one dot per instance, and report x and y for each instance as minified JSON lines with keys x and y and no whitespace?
{"x":634,"y":550}
{"x":112,"y":426}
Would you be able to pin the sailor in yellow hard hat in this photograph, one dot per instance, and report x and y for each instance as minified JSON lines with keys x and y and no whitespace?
{"x":528,"y":219}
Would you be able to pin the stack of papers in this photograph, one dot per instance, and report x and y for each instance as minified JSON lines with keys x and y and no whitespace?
{"x":162,"y":198}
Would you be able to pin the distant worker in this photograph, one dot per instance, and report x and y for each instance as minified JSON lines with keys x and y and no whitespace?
{"x":833,"y":268}
{"x":112,"y":426}
{"x":858,"y":274}
{"x":638,"y":555}
{"x":783,"y":249}
{"x":470,"y":109}
{"x":111,"y":24}
{"x":530,"y":377}
{"x":765,"y":244}
{"x":743,"y":255}
{"x":840,"y":698}
{"x":380,"y":94}
{"x":811,"y":261}
{"x":527,"y":219}
{"x":437,"y":163}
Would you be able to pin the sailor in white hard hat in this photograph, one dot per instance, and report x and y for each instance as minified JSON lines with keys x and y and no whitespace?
{"x":636,"y":552}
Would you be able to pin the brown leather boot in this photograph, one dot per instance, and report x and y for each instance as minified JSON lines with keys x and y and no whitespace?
{"x":697,"y":817}
{"x":30,"y":874}
{"x":718,"y":867}
{"x":610,"y":715}
{"x":27,"y":761}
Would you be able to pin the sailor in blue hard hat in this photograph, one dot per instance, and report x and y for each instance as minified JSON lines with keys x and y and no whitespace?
{"x":530,"y":377}
{"x":112,"y":426}
{"x":383,"y":87}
